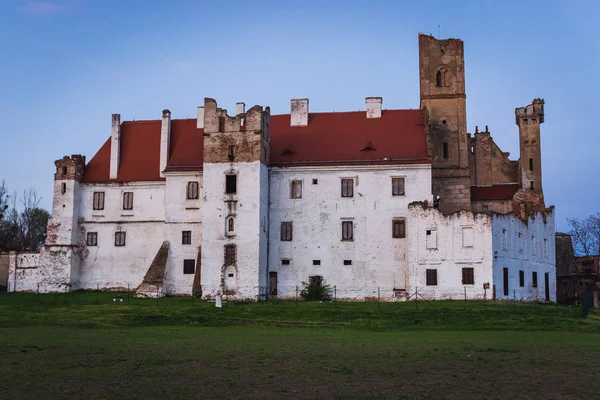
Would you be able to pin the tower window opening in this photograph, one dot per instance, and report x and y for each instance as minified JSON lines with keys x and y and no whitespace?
{"x":64,"y":170}
{"x":531,"y":185}
{"x":445,"y":151}
{"x":221,"y":124}
{"x":438,"y":79}
{"x":63,"y":188}
{"x":231,"y":152}
{"x":531,"y":164}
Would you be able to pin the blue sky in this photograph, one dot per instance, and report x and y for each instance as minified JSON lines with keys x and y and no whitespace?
{"x":67,"y":65}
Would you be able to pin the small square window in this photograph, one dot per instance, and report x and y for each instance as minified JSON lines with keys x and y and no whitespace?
{"x":315,"y":181}
{"x":92,"y":239}
{"x":186,"y":237}
{"x":316,"y":262}
{"x":120,"y":238}
{"x":285,"y":261}
{"x":192,"y":190}
{"x":397,"y":186}
{"x":347,"y":262}
{"x":296,"y":189}
{"x":348,"y":187}
{"x":189,"y":266}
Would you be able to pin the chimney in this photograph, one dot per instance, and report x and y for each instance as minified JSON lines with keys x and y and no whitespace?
{"x":240,"y":108}
{"x":200,"y":119}
{"x":165,"y":139}
{"x":299,"y":112}
{"x":373,"y":107}
{"x":115,"y":146}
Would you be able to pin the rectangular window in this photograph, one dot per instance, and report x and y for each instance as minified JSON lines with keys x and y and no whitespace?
{"x":230,"y":254}
{"x":221,"y":124}
{"x":286,"y":231}
{"x":92,"y":239}
{"x":347,"y":262}
{"x":445,"y":151}
{"x":467,"y":236}
{"x":431,"y":277}
{"x":504,"y":239}
{"x":467,"y":276}
{"x":398,"y":228}
{"x":285,"y":261}
{"x":520,"y":238}
{"x":533,"y":246}
{"x":120,"y":238}
{"x":521,"y":278}
{"x":189,"y":266}
{"x":231,"y":153}
{"x":348,"y":187}
{"x":128,"y":201}
{"x":534,"y":279}
{"x":431,"y":238}
{"x":192,"y":190}
{"x":316,"y":262}
{"x":546,"y":249}
{"x":397,"y":186}
{"x":98,"y":203}
{"x":296,"y":189}
{"x":186,"y":237}
{"x":347,"y":230}
{"x":231,"y":184}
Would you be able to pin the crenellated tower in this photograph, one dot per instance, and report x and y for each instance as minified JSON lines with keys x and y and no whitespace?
{"x":530,"y":162}
{"x":443,"y":99}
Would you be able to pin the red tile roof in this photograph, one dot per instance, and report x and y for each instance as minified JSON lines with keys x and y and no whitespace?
{"x":494,"y":192}
{"x":345,"y":138}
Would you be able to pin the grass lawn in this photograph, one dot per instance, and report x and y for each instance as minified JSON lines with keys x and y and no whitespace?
{"x":186,"y":348}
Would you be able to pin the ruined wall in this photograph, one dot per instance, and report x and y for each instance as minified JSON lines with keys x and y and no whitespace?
{"x":376,"y":258}
{"x":526,"y":246}
{"x":488,"y":164}
{"x":23,"y":272}
{"x":529,"y":120}
{"x":449,"y":243}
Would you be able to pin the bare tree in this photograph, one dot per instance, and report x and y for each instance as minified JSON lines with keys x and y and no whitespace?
{"x":3,"y":200}
{"x":586,"y":235}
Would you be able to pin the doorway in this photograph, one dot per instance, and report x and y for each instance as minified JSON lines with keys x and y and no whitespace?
{"x":547,"y":285}
{"x":273,"y":283}
{"x":505,"y":280}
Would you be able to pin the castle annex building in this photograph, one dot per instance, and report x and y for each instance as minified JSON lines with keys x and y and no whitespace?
{"x":254,"y":204}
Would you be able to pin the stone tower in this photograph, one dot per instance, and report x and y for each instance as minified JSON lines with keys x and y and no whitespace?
{"x":442,"y":84}
{"x":235,"y":202}
{"x":530,"y":162}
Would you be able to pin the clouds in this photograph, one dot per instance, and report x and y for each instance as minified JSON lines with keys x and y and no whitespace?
{"x":40,"y":8}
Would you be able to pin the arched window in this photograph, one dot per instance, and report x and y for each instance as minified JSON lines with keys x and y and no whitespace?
{"x":531,"y":164}
{"x":438,"y":79}
{"x":230,"y":225}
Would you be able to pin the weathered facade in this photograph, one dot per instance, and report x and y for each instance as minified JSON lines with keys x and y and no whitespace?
{"x":388,"y":203}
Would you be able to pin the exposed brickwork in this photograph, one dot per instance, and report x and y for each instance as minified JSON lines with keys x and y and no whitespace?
{"x":70,"y":168}
{"x":153,"y":280}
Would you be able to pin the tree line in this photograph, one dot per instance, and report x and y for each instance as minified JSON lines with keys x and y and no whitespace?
{"x":22,"y":221}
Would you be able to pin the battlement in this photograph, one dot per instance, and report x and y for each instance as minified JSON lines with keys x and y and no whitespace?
{"x":531,"y":114}
{"x":216,"y":120}
{"x":69,"y":168}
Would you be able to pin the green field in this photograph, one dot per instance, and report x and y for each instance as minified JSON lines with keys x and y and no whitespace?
{"x":56,"y":346}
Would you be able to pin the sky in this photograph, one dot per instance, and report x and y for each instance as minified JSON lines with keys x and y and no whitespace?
{"x":67,"y":65}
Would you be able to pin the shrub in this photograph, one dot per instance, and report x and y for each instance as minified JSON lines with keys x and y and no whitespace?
{"x":316,"y":289}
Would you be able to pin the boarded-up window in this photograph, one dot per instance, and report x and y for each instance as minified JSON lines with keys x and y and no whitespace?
{"x":189,"y":266}
{"x":347,"y":230}
{"x":286,"y":231}
{"x":128,"y":201}
{"x":546,"y":249}
{"x":468,"y":277}
{"x":397,"y":186}
{"x":192,"y":190}
{"x":120,"y":238}
{"x":467,"y":236}
{"x":431,"y":238}
{"x":92,"y":239}
{"x":186,"y":237}
{"x":348,"y":187}
{"x":296,"y":189}
{"x":98,"y":203}
{"x":431,"y":277}
{"x":521,"y":278}
{"x":231,"y":184}
{"x":398,"y":228}
{"x":230,"y":254}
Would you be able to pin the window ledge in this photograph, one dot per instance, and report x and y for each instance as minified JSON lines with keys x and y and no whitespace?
{"x":97,"y":214}
{"x":192,"y":207}
{"x":127,"y":214}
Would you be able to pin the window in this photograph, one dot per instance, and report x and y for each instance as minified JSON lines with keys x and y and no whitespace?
{"x":520,"y":237}
{"x":63,"y":188}
{"x":296,"y":189}
{"x":128,"y":201}
{"x":521,"y":278}
{"x":534,"y":279}
{"x":467,"y":276}
{"x":347,"y":230}
{"x":467,"y":236}
{"x":445,"y":151}
{"x":504,"y":239}
{"x":316,"y":262}
{"x":192,"y":190}
{"x":243,"y":123}
{"x":92,"y":239}
{"x":347,"y":262}
{"x":285,"y":261}
{"x":186,"y":237}
{"x":221,"y":124}
{"x":531,"y":185}
{"x":64,"y":170}
{"x":546,"y":250}
{"x":348,"y":187}
{"x":230,"y":225}
{"x":431,"y":239}
{"x":533,"y":246}
{"x":438,"y":79}
{"x":531,"y":164}
{"x":189,"y":266}
{"x":431,"y":277}
{"x":397,"y":186}
{"x":231,"y":184}
{"x":230,"y":254}
{"x":398,"y":228}
{"x":315,"y":181}
{"x":286,"y":231}
{"x":231,"y":152}
{"x":98,"y":203}
{"x":120,"y":238}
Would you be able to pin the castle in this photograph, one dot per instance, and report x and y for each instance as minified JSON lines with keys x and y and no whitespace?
{"x":375,"y":202}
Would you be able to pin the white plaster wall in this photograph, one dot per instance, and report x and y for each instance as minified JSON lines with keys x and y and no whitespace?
{"x":245,"y":206}
{"x":449,"y":255}
{"x":378,"y":260}
{"x":62,"y":226}
{"x":536,"y":255}
{"x":23,"y":272}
